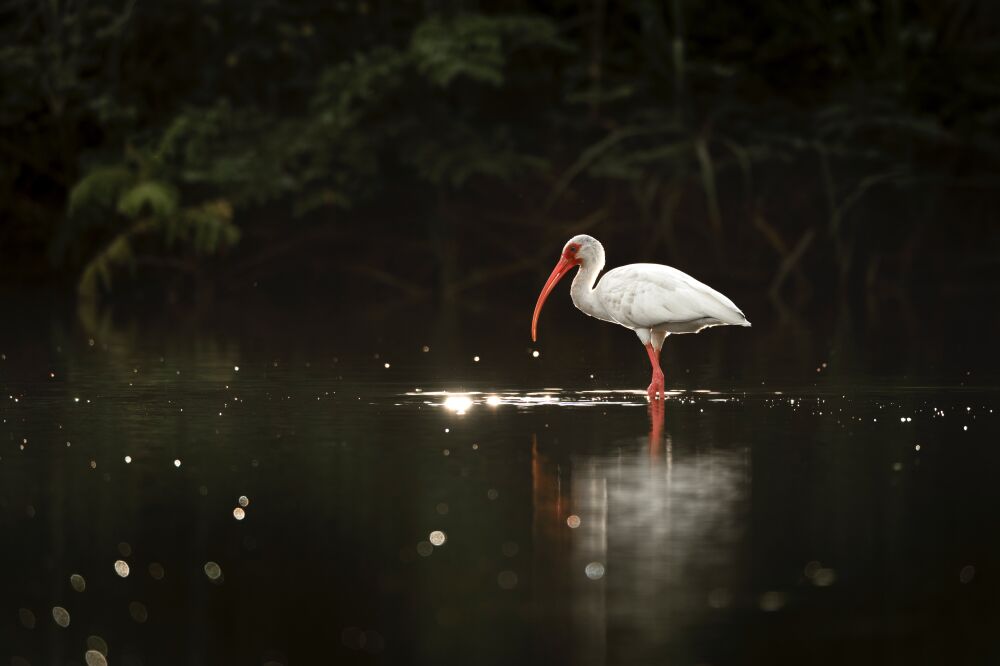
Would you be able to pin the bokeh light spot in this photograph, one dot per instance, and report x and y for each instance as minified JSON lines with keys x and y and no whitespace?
{"x":772,"y":601}
{"x":61,"y":616}
{"x":824,"y":577}
{"x":97,"y":644}
{"x":95,"y":658}
{"x":507,"y":580}
{"x":213,"y":570}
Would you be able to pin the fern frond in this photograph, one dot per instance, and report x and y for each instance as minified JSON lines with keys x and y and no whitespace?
{"x":99,"y":190}
{"x":209,"y":227}
{"x":150,"y":197}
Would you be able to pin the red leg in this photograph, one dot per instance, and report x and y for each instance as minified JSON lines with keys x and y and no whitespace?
{"x":656,"y":386}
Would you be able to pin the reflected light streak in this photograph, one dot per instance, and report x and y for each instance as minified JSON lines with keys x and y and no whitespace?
{"x":462,"y":402}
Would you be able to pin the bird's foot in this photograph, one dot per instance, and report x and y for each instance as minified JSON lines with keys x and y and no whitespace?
{"x":656,"y":387}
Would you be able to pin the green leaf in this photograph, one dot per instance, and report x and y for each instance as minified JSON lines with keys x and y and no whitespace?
{"x":99,"y":190}
{"x":151,"y":197}
{"x":209,"y":227}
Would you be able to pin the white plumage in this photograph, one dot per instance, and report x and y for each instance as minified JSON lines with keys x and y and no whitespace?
{"x":651,"y":299}
{"x":653,"y":296}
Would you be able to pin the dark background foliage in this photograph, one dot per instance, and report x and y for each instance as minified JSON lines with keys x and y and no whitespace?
{"x":192,"y":150}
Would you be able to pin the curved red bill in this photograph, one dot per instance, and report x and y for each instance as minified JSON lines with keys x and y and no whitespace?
{"x":560,"y":270}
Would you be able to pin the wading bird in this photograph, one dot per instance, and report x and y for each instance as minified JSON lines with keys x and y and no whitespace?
{"x":651,"y":299}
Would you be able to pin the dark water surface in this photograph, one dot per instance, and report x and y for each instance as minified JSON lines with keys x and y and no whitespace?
{"x":316,"y":507}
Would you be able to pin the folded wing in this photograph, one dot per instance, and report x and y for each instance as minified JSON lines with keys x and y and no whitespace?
{"x":664,"y":298}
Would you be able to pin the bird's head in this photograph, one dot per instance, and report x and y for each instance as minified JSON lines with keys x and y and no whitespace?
{"x":580,"y":250}
{"x":583,"y":250}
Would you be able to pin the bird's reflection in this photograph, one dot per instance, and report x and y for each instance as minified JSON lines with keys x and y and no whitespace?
{"x":656,"y":416}
{"x":637,"y":539}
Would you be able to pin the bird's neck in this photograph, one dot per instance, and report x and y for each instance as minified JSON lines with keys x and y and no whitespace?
{"x":582,"y":291}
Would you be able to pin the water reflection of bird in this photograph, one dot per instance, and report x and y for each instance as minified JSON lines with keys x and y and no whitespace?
{"x":635,"y":543}
{"x":651,"y":299}
{"x":655,"y":429}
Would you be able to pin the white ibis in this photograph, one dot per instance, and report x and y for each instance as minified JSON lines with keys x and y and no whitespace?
{"x":651,"y":299}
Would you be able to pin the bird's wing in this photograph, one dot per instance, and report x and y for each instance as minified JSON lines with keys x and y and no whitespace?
{"x":649,"y":295}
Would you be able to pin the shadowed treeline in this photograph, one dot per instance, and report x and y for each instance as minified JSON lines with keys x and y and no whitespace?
{"x":195,"y":149}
